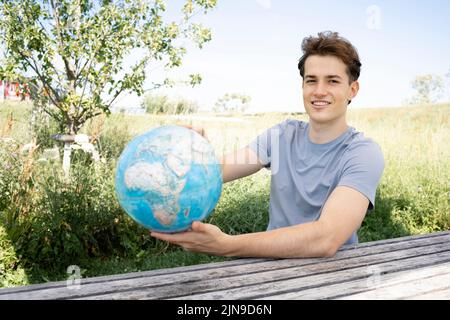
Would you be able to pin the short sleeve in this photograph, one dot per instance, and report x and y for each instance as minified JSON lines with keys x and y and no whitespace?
{"x":363,"y":168}
{"x":263,"y":145}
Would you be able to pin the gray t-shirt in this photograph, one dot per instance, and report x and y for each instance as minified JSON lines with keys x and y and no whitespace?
{"x":305,"y":173}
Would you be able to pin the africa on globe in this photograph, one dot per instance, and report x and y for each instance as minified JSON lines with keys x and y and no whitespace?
{"x":167,"y":178}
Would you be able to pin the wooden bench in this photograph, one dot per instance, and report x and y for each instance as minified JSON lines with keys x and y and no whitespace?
{"x":415,"y":267}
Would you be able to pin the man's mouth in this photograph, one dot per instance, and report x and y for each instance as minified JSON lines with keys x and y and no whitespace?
{"x":320,"y":103}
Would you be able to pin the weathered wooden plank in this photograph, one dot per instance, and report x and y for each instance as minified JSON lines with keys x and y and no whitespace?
{"x":135,"y":275}
{"x":404,"y":290}
{"x":190,"y":275}
{"x":372,"y":281}
{"x":408,"y":241}
{"x":441,"y":294}
{"x":317,"y":283}
{"x":396,"y":240}
{"x":273,"y":276}
{"x":209,"y":271}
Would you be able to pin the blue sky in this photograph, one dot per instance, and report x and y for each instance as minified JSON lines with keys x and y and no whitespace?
{"x":256,"y":46}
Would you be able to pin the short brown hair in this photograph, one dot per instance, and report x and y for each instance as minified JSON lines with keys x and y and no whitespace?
{"x":330,"y":43}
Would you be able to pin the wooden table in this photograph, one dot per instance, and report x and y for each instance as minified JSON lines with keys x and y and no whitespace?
{"x":416,"y":267}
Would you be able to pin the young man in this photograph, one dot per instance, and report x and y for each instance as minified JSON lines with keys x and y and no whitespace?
{"x":324,"y":173}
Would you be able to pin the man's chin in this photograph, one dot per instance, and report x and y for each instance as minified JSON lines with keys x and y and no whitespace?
{"x":321,"y":118}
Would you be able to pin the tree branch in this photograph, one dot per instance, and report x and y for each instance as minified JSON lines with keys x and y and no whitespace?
{"x":69,"y":69}
{"x":41,"y":77}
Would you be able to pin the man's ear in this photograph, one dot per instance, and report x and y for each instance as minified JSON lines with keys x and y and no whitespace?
{"x":354,"y":88}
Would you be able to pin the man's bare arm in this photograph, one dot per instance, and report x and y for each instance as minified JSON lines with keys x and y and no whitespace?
{"x":342,"y":215}
{"x":239,"y":164}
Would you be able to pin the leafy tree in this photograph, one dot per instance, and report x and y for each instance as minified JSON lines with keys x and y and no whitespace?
{"x":73,"y":52}
{"x":429,"y":88}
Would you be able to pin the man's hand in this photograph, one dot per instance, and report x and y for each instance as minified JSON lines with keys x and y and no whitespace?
{"x":202,"y":237}
{"x":200,"y":131}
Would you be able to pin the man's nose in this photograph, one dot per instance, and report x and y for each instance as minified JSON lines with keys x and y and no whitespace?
{"x":320,"y":89}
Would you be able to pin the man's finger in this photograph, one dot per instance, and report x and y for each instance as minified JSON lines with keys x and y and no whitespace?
{"x":163,"y":236}
{"x":170,"y":237}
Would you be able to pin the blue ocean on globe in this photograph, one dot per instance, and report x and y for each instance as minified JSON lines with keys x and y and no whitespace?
{"x":167,"y":178}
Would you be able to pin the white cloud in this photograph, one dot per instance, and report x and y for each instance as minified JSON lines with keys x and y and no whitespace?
{"x":265,"y":4}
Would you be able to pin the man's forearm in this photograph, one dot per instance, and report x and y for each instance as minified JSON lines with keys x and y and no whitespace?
{"x":232,"y":172}
{"x":241,"y":163}
{"x":303,"y":240}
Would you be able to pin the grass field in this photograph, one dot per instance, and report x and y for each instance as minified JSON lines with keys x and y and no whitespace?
{"x":412,"y":198}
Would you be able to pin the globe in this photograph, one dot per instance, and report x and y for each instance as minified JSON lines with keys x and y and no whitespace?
{"x":167,"y":178}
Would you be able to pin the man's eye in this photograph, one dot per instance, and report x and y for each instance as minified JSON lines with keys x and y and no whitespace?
{"x":334,"y":81}
{"x":310,"y":81}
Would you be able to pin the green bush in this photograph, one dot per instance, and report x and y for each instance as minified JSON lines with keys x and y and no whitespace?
{"x":113,"y":140}
{"x":161,"y":104}
{"x":43,"y":127}
{"x":10,"y":168}
{"x":156,"y":104}
{"x":11,"y":273}
{"x":412,"y":198}
{"x":54,"y":223}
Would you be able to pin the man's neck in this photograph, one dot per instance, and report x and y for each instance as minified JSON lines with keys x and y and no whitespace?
{"x":321,"y":133}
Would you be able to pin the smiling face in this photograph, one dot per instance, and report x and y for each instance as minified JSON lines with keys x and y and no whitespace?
{"x":326,"y":89}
